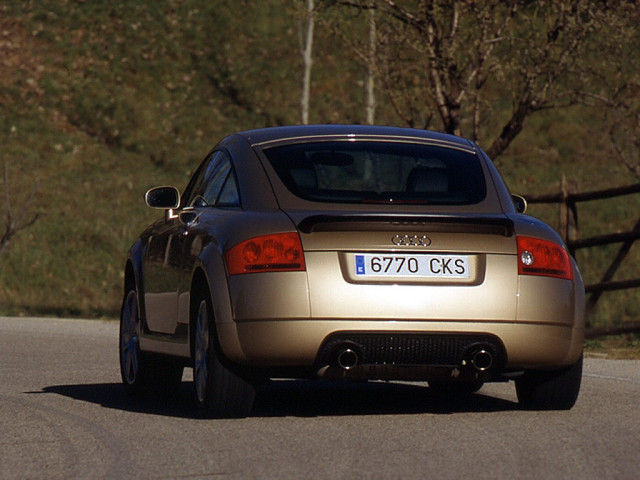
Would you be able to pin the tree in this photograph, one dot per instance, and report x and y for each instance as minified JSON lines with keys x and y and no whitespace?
{"x":451,"y":64}
{"x":15,"y":222}
{"x":625,"y":138}
{"x":371,"y":69}
{"x":623,"y":115}
{"x":306,"y":49}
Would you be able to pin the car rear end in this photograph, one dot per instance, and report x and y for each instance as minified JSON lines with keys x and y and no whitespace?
{"x":404,"y":259}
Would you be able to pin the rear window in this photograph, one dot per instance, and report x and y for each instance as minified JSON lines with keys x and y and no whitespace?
{"x":377,"y":172}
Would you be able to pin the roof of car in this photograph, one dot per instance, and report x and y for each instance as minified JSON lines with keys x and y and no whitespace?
{"x":277,"y":134}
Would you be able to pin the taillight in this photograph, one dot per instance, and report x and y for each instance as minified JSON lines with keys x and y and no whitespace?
{"x":542,"y":257}
{"x":280,"y":252}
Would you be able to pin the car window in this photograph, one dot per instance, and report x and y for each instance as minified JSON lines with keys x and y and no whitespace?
{"x":214,"y":178}
{"x":379,"y":172}
{"x":197,"y":182}
{"x":229,"y":196}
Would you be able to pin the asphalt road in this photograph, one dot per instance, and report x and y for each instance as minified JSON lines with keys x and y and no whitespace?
{"x":63,"y":414}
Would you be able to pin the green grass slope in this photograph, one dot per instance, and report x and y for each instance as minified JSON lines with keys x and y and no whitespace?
{"x":102,"y":100}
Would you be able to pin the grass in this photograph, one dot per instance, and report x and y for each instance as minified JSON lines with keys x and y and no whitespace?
{"x":615,"y":347}
{"x":102,"y":100}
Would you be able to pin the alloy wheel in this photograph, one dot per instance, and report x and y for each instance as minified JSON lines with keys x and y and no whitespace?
{"x":130,"y":338}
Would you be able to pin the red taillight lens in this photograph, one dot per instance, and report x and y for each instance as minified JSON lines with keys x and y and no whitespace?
{"x":280,"y":252}
{"x":542,"y":257}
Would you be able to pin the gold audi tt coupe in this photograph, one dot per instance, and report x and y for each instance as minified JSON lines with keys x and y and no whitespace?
{"x":355,"y":253}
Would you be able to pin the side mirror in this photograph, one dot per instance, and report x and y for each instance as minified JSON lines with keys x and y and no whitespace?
{"x":519,"y":203}
{"x":165,"y":198}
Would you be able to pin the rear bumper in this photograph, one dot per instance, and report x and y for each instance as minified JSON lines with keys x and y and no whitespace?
{"x":297,"y":343}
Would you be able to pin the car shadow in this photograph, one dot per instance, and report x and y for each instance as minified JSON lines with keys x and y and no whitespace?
{"x":299,"y":398}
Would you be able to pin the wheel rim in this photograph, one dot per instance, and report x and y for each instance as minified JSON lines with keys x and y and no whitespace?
{"x":200,"y":371}
{"x":130,"y":338}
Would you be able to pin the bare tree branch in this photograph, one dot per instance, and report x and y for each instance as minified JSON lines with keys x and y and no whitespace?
{"x":15,"y":223}
{"x":455,"y":58}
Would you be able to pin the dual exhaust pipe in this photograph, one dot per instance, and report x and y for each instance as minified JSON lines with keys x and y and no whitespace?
{"x":481,"y":357}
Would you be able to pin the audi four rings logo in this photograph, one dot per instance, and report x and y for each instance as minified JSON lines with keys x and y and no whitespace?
{"x":411,"y":240}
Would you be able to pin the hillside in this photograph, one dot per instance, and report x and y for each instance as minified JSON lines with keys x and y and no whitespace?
{"x":102,"y":100}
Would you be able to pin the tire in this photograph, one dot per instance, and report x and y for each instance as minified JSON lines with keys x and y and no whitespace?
{"x":135,"y":368}
{"x":143,"y":374}
{"x":550,"y":390}
{"x":219,"y":392}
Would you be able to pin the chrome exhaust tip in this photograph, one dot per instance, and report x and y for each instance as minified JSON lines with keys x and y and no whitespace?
{"x":482,"y":360}
{"x":347,"y":359}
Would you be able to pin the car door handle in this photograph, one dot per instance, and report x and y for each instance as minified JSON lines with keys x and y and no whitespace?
{"x":189,"y":219}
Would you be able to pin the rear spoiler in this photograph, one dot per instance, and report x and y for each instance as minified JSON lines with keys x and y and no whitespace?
{"x":483,"y":224}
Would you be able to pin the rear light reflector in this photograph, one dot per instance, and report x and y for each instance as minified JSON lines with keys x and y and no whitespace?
{"x":280,"y":252}
{"x":544,"y":258}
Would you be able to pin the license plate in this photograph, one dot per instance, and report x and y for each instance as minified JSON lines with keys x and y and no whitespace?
{"x":421,"y":265}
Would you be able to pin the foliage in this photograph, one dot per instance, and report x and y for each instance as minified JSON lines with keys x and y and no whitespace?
{"x":446,"y":64}
{"x":102,"y":100}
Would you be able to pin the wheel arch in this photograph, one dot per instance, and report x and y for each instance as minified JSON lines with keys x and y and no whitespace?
{"x":213,"y":282}
{"x":133,"y":276}
{"x":130,"y":281}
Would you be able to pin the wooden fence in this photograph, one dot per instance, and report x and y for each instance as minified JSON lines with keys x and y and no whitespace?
{"x":568,"y":228}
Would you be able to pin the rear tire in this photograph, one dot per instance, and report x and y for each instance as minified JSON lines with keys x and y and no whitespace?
{"x":219,"y":392}
{"x":135,"y":367}
{"x":550,"y":390}
{"x":143,"y":374}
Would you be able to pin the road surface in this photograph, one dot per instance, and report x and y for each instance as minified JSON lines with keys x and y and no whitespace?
{"x":63,"y":414}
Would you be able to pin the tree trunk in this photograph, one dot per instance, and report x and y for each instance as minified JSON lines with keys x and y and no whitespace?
{"x":307,"y":60}
{"x":371,"y":69}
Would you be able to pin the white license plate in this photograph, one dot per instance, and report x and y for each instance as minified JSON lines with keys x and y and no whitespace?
{"x":420,"y":265}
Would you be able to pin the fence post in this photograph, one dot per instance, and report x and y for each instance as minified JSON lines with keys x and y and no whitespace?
{"x":568,"y":217}
{"x":563,"y":213}
{"x":608,"y":276}
{"x":572,"y":226}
